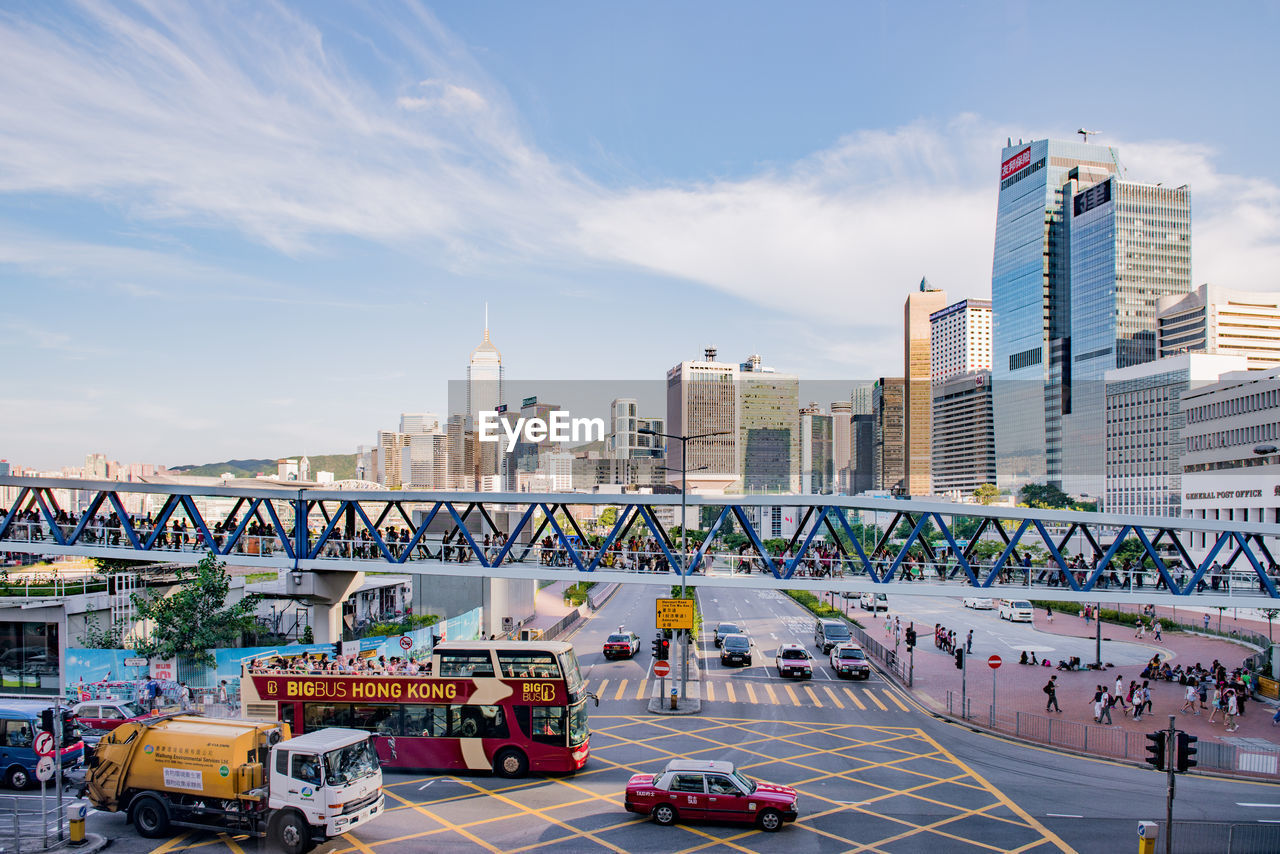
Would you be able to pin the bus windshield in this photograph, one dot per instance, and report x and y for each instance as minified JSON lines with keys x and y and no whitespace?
{"x":353,"y":762}
{"x":578,"y":728}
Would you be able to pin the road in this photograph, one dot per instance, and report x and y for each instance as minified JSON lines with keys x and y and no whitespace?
{"x":875,"y":771}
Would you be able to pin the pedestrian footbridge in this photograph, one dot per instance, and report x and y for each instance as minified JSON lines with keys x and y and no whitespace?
{"x":836,"y":543}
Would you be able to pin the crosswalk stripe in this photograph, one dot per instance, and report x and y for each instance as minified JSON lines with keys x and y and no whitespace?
{"x":794,"y":699}
{"x":892,"y":695}
{"x":813,"y":696}
{"x":728,"y":687}
{"x":622,"y":688}
{"x":751,"y":693}
{"x":711,"y":691}
{"x":772,"y":698}
{"x":640,"y":686}
{"x":854,"y":698}
{"x":873,"y":698}
{"x":834,"y":698}
{"x":600,"y":689}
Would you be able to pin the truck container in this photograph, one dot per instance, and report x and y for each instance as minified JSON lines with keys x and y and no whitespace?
{"x":239,"y":776}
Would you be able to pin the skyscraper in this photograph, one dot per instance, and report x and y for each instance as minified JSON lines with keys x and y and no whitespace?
{"x":484,"y":394}
{"x":1029,"y":303}
{"x":887,"y":417}
{"x":768,"y":428}
{"x":1129,"y":244}
{"x":963,"y":434}
{"x":960,"y":339}
{"x":816,"y":456}
{"x":917,"y":397}
{"x":842,"y":445}
{"x":702,"y":397}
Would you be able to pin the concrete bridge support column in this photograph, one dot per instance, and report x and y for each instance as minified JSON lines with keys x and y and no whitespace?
{"x":326,"y":591}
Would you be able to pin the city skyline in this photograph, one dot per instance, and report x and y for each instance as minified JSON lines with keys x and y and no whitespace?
{"x":166,"y":239}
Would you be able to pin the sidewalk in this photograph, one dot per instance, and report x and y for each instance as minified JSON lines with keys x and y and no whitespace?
{"x":1019,"y":688}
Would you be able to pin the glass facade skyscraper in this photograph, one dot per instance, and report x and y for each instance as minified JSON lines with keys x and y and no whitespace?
{"x":1129,"y":244}
{"x":1029,"y":302}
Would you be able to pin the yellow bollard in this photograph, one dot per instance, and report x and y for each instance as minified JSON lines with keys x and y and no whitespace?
{"x":1147,"y":833}
{"x":76,"y":812}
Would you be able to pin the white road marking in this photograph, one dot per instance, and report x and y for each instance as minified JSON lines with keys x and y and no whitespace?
{"x":424,"y":785}
{"x":1062,"y":815}
{"x":1243,"y":804}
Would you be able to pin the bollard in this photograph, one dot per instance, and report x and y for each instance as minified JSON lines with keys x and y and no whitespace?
{"x":1147,"y":833}
{"x":673,"y":699}
{"x":76,"y":812}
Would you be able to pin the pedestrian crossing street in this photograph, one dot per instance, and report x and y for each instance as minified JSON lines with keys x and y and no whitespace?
{"x":868,"y":697}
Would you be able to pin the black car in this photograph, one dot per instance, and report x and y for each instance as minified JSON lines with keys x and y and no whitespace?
{"x":735,"y":649}
{"x":723,"y":629}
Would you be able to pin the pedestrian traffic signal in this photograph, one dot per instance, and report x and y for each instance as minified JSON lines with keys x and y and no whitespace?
{"x":1155,"y":749}
{"x":960,"y":658}
{"x":911,"y":637}
{"x":1186,"y":750}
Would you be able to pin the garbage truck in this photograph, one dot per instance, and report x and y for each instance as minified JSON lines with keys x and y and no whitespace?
{"x":184,"y":770}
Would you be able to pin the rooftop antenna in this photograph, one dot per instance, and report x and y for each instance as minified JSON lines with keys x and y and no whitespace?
{"x":1087,"y":133}
{"x":486,"y":320}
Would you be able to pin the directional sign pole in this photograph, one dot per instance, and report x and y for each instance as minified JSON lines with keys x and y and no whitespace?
{"x":994,"y":663}
{"x":57,"y":757}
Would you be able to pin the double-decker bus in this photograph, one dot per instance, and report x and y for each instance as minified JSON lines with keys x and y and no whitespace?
{"x":507,"y":706}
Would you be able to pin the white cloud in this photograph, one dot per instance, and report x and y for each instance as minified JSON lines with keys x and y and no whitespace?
{"x":208,"y":116}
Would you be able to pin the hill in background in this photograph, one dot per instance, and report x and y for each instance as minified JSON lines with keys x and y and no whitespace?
{"x":343,"y":466}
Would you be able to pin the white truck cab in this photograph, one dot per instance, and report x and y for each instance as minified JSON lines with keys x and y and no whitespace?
{"x":331,"y":776}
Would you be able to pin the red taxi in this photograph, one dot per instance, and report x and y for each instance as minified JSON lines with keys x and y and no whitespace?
{"x":621,"y":644}
{"x":695,"y":790}
{"x":793,"y":660}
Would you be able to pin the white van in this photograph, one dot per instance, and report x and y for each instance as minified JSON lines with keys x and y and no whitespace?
{"x":874,"y":602}
{"x":1015,"y":610}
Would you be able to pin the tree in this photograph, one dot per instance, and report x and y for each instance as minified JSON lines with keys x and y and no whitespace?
{"x":609,"y":517}
{"x":986,"y":493}
{"x":111,"y":637}
{"x":1045,"y":496}
{"x":1270,"y":614}
{"x":196,"y":617}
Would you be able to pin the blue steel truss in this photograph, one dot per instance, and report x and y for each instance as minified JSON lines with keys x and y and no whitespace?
{"x":318,"y":529}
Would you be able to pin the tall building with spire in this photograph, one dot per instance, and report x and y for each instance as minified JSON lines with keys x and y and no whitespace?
{"x":484,"y":394}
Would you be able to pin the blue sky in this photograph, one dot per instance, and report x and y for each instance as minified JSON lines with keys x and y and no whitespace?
{"x":251,"y":229}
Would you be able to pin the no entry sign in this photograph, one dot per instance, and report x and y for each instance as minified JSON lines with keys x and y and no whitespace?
{"x":661,"y":668}
{"x":994,"y":661}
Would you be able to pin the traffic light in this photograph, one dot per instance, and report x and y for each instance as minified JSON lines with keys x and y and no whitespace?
{"x":1155,"y":749}
{"x":46,"y":721}
{"x":666,"y":649}
{"x":911,"y":637}
{"x":661,"y":647}
{"x":1186,"y":750}
{"x":960,"y":658}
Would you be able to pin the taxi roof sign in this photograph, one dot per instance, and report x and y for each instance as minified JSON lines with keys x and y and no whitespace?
{"x":674,"y":613}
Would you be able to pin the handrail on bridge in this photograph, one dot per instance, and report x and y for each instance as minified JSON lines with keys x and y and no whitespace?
{"x":398,"y":527}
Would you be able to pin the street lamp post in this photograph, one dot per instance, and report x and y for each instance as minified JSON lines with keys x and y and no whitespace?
{"x":684,"y":530}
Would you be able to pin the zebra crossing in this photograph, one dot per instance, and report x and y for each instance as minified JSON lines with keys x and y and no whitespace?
{"x":870,"y":697}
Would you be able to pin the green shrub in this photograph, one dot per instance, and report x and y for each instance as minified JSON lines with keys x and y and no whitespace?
{"x":817,"y":606}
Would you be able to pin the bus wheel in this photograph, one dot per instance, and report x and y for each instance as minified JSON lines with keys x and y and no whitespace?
{"x":150,"y":817}
{"x":510,"y":763}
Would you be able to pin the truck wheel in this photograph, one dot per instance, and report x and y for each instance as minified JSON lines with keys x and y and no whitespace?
{"x":664,"y":814}
{"x":18,"y":778}
{"x":510,"y":763}
{"x":290,"y":833}
{"x":770,"y":820}
{"x":150,"y":817}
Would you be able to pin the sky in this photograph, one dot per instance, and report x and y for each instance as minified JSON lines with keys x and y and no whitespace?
{"x":236,"y":230}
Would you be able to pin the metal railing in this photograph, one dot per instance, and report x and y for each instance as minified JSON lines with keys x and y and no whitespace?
{"x":1111,"y":741}
{"x":899,"y":660}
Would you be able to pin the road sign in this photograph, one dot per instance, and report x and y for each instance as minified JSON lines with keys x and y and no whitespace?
{"x":135,"y":662}
{"x":44,"y":769}
{"x":406,"y":643}
{"x":661,"y":668}
{"x":675,"y":613}
{"x":44,"y":743}
{"x":994,"y":661}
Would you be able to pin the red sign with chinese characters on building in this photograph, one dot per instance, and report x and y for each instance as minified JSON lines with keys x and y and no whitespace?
{"x":1016,"y":163}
